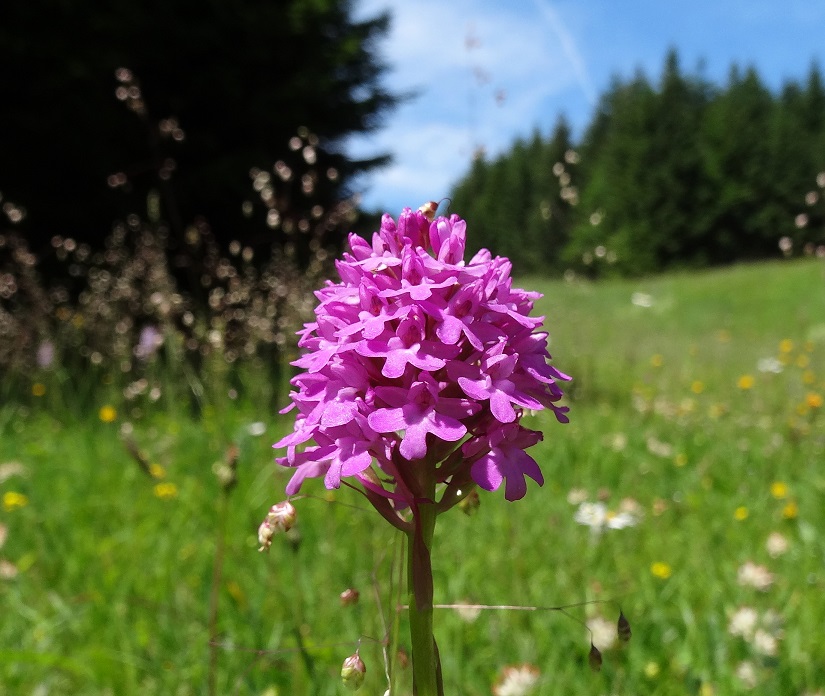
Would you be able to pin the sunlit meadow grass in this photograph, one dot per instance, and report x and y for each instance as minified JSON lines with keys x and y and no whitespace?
{"x":696,"y":407}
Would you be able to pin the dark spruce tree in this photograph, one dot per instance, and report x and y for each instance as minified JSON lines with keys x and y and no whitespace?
{"x":677,"y":173}
{"x":239,"y":78}
{"x":515,"y":203}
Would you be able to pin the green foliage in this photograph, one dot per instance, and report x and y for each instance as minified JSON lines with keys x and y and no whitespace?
{"x":681,"y":173}
{"x":113,"y":574}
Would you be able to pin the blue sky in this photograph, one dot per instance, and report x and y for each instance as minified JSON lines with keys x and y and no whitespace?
{"x":486,"y":71}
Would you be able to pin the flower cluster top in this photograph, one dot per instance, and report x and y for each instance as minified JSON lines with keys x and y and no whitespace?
{"x":420,"y":364}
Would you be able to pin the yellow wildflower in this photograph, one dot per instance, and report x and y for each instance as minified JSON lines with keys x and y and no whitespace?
{"x":656,"y":360}
{"x":157,"y":471}
{"x":13,"y":500}
{"x":680,"y":459}
{"x":745,"y":382}
{"x":785,"y":345}
{"x":697,"y":387}
{"x":107,"y":414}
{"x":813,"y":400}
{"x":38,"y":389}
{"x":802,"y":361}
{"x":790,"y":511}
{"x":236,"y":592}
{"x":166,"y":491}
{"x":779,"y":490}
{"x":661,"y":570}
{"x":717,"y":410}
{"x":651,"y":670}
{"x":741,"y":513}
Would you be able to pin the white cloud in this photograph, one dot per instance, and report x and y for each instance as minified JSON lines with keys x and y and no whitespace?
{"x":440,"y":50}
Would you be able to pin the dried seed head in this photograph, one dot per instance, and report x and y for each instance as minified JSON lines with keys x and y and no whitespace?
{"x":265,"y":534}
{"x":280,"y":518}
{"x":594,"y":658}
{"x":623,"y":628}
{"x":353,"y":672}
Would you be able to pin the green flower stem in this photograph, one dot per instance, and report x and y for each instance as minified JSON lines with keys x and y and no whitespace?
{"x":425,"y":662}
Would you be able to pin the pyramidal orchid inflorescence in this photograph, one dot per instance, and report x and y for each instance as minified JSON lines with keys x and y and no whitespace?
{"x":418,"y":369}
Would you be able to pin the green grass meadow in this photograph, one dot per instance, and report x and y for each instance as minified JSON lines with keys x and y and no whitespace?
{"x":697,"y":405}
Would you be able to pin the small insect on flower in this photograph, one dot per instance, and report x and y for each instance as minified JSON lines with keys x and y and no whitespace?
{"x":516,"y":680}
{"x":428,"y":210}
{"x":623,"y":628}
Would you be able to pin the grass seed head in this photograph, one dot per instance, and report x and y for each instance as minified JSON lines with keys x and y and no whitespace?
{"x":353,"y":672}
{"x":594,"y":658}
{"x":623,"y":628}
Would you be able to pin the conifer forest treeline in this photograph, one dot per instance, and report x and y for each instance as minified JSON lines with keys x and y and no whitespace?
{"x":678,"y":173}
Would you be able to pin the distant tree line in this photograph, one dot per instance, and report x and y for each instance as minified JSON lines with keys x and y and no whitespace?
{"x":680,"y":173}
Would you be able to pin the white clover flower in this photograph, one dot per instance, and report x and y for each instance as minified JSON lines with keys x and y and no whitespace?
{"x":603,"y":632}
{"x":765,"y":643}
{"x":576,"y":496}
{"x":467,"y":612}
{"x":751,"y":574}
{"x":776,"y":544}
{"x":641,"y":299}
{"x":771,"y":365}
{"x":746,"y":673}
{"x":256,"y":429}
{"x":743,"y":622}
{"x":7,"y":569}
{"x":598,"y":517}
{"x":618,"y":442}
{"x":659,"y":448}
{"x":516,"y":680}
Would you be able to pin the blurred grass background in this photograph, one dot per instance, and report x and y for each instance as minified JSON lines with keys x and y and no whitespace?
{"x":697,"y":405}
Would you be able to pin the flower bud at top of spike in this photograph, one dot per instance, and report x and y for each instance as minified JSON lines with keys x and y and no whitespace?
{"x":595,"y":658}
{"x":349,"y":597}
{"x":353,"y":672}
{"x":623,"y":628}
